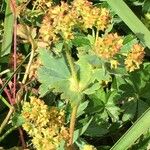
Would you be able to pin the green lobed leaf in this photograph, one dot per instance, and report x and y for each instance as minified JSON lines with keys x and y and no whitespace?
{"x":80,"y":131}
{"x":146,"y":6}
{"x":105,"y":103}
{"x":97,"y":129}
{"x":112,"y":109}
{"x":128,"y":42}
{"x":55,"y":74}
{"x":81,"y":108}
{"x":17,"y":119}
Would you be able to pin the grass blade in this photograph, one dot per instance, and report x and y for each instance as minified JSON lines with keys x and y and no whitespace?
{"x":131,"y":20}
{"x":6,"y":83}
{"x":8,"y":30}
{"x":139,"y":127}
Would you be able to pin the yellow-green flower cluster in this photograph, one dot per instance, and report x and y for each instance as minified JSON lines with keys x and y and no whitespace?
{"x":42,"y":4}
{"x":58,"y":22}
{"x":114,"y":64}
{"x":107,"y":47}
{"x":44,"y":125}
{"x":90,"y":16}
{"x":61,"y":20}
{"x":134,"y":58}
{"x":88,"y":147}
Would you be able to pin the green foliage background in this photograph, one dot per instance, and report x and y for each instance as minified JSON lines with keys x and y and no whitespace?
{"x":113,"y":103}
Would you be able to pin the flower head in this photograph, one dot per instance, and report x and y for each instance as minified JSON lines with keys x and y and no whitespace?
{"x":107,"y":47}
{"x":44,"y":125}
{"x":90,"y":16}
{"x":114,"y":64}
{"x":61,"y":20}
{"x":134,"y":58}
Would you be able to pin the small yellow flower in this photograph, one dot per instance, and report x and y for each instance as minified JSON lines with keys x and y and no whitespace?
{"x":89,"y":147}
{"x":103,"y":19}
{"x":90,"y":16}
{"x":114,"y":64}
{"x":44,"y":125}
{"x":42,"y":4}
{"x":61,"y":20}
{"x":134,"y":58}
{"x":107,"y":47}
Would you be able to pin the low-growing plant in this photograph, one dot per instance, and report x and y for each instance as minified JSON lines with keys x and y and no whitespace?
{"x":76,"y":81}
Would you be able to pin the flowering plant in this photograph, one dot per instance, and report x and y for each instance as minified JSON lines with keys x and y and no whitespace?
{"x":84,"y":80}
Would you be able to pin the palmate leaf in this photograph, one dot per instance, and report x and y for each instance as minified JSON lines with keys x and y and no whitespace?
{"x":146,"y":6}
{"x":105,"y":103}
{"x":55,"y":76}
{"x":134,"y":108}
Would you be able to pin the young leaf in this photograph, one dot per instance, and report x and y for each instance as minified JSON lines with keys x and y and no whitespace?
{"x":146,"y":6}
{"x":80,"y":131}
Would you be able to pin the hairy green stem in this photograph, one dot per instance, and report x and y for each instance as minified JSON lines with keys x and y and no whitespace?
{"x":6,"y":83}
{"x":96,"y":36}
{"x":72,"y":123}
{"x":5,"y":102}
{"x":11,"y":108}
{"x":93,"y":33}
{"x":75,"y":107}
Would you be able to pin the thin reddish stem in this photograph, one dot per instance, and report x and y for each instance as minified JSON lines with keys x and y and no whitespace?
{"x":9,"y":96}
{"x":13,"y":6}
{"x":13,"y":9}
{"x":22,"y":138}
{"x":7,"y":93}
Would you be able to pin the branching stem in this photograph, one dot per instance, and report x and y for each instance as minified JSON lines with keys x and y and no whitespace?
{"x":6,"y":119}
{"x":33,"y":45}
